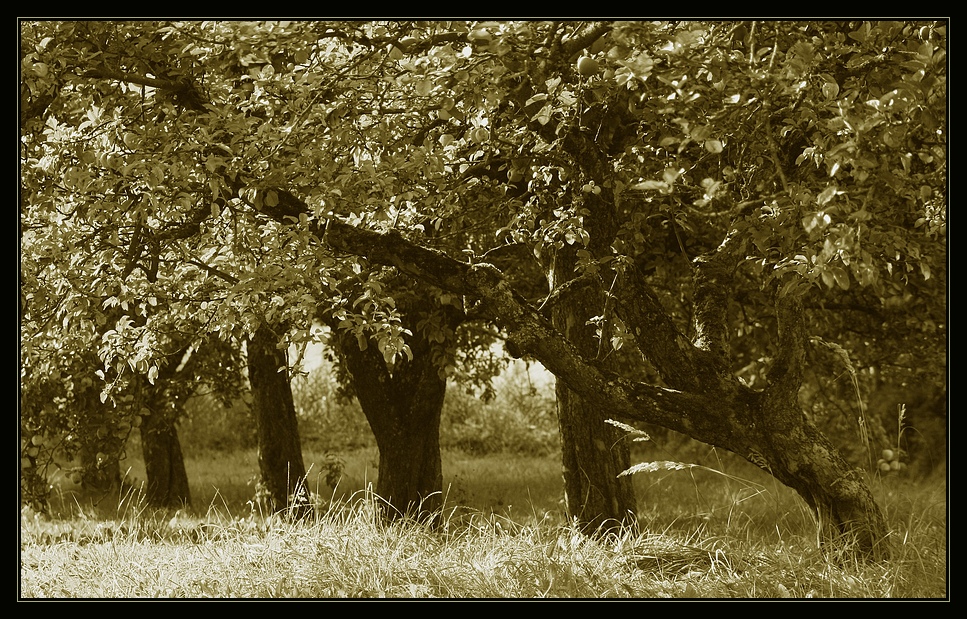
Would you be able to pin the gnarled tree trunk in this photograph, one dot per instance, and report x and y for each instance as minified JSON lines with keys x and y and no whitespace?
{"x":703,"y":399}
{"x":282,"y":469}
{"x":403,"y":405}
{"x":403,"y":409}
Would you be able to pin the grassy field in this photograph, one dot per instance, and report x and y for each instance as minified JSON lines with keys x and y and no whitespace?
{"x":725,"y":531}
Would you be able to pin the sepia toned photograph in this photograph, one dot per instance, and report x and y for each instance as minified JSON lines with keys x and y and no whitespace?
{"x":483,"y":310}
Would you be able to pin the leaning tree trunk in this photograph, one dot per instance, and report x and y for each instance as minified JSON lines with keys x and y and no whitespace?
{"x":283,"y":472}
{"x":767,"y":426}
{"x":594,"y":453}
{"x":164,"y":463}
{"x":796,"y":453}
{"x":403,"y":407}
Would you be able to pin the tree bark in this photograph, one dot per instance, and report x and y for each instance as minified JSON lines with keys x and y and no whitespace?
{"x":403,"y":410}
{"x":767,"y":427}
{"x":594,"y":453}
{"x":164,"y":464}
{"x":283,"y":472}
{"x":403,"y":405}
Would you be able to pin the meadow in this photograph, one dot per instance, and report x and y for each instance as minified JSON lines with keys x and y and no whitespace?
{"x":703,"y":533}
{"x":719,"y":528}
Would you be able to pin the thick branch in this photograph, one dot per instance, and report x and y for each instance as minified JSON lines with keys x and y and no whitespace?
{"x":530,"y":331}
{"x":391,"y":249}
{"x":533,"y":334}
{"x":577,"y":43}
{"x":713,"y":294}
{"x":189,"y":227}
{"x":655,"y":335}
{"x":182,"y":90}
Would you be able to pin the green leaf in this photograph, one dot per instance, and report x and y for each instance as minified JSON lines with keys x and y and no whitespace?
{"x":828,"y":278}
{"x":271,"y":198}
{"x":840,"y":277}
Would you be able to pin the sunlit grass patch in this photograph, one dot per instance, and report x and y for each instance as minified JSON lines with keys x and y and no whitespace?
{"x":720,"y":530}
{"x":346,"y":551}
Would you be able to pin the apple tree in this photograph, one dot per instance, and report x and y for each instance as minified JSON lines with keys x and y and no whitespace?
{"x":165,"y":233}
{"x":700,"y":197}
{"x":760,"y":151}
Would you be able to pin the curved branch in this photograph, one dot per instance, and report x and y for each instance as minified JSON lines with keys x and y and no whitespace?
{"x":186,"y":229}
{"x":182,"y":90}
{"x":529,"y":331}
{"x":132,"y":78}
{"x":575,"y":44}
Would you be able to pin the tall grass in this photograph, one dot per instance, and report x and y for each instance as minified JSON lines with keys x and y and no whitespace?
{"x":347,"y":552}
{"x":710,"y":525}
{"x":702,"y":534}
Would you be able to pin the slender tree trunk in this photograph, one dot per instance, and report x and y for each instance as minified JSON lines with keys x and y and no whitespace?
{"x":282,"y":469}
{"x":164,"y":464}
{"x":403,"y":407}
{"x":593,"y":452}
{"x":99,"y":446}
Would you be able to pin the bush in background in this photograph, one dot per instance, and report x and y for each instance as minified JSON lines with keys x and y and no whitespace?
{"x":329,"y":420}
{"x":518,"y":418}
{"x":210,"y":424}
